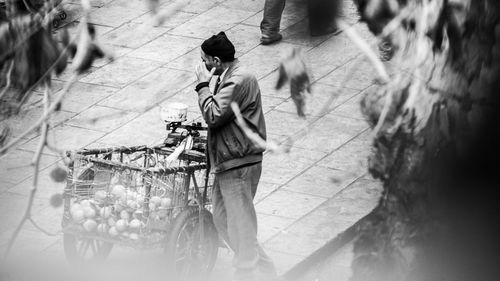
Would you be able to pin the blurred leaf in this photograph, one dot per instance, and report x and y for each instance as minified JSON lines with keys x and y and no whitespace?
{"x":34,"y":50}
{"x":293,"y":70}
{"x":4,"y":133}
{"x":58,"y":174}
{"x":56,"y":200}
{"x":154,"y":5}
{"x":87,"y":49}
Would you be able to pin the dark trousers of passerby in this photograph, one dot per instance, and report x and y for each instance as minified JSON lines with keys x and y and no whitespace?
{"x":321,"y":15}
{"x":236,"y":221}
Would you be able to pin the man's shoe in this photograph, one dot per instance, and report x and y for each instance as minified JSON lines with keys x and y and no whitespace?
{"x":268,"y":40}
{"x":331,"y":30}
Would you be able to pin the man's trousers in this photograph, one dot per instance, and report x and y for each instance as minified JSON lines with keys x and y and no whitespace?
{"x":236,"y":221}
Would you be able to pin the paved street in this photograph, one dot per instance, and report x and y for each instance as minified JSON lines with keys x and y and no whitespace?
{"x":305,"y":197}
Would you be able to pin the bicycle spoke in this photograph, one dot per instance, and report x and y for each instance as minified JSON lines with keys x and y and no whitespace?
{"x":84,"y":245}
{"x":93,"y":246}
{"x":99,"y":245}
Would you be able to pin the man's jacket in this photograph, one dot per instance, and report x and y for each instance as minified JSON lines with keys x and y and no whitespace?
{"x":228,"y":146}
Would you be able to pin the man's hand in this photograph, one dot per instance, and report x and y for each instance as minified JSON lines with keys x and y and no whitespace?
{"x":202,"y":73}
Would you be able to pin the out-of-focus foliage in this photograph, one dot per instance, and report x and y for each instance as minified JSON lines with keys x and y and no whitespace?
{"x":293,"y":70}
{"x":27,"y":41}
{"x":90,"y":50}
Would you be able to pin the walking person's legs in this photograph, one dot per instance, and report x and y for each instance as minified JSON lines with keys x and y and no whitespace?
{"x":322,"y":15}
{"x":270,"y":25}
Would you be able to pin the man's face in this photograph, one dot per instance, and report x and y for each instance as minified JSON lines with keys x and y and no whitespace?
{"x":211,"y":62}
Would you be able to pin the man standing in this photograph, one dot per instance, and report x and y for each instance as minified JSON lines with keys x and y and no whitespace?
{"x":236,"y":162}
{"x":321,"y":14}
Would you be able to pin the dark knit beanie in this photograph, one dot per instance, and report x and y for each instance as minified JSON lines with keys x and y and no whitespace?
{"x":219,"y":46}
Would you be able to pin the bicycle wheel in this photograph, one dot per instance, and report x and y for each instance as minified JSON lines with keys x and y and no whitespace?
{"x":84,"y":249}
{"x":190,"y":255}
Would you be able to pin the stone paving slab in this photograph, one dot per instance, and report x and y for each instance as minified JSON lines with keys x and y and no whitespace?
{"x":149,"y":90}
{"x":166,"y":48}
{"x":265,"y":59}
{"x":352,"y":157}
{"x":15,"y":166}
{"x":251,"y":6}
{"x":331,"y":131}
{"x":65,"y":137}
{"x":338,"y":265}
{"x":360,"y":75}
{"x":102,"y":118}
{"x":270,"y":225}
{"x":283,"y":123}
{"x":10,"y":214}
{"x":47,"y":186}
{"x":83,"y":95}
{"x":321,"y":181}
{"x":208,"y":23}
{"x":200,"y":7}
{"x":121,"y":72}
{"x":332,"y":217}
{"x":246,"y":37}
{"x":280,"y":168}
{"x":321,"y":93}
{"x":23,"y":121}
{"x":133,"y":35}
{"x":288,"y":204}
{"x":114,"y":16}
{"x":350,"y":109}
{"x":147,"y":128}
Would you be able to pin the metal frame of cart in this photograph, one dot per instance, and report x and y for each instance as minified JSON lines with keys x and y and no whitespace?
{"x":183,"y":226}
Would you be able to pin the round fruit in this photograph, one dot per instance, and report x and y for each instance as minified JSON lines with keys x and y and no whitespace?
{"x":155,"y":200}
{"x":100,"y":195}
{"x":113,"y":232}
{"x":131,"y":195}
{"x":125,"y":234}
{"x":78,"y":215}
{"x":85,"y":203}
{"x":162,"y":214}
{"x":133,"y":236}
{"x":121,"y":225}
{"x":118,"y":207}
{"x":119,"y":191}
{"x":166,"y":202}
{"x":124,"y":215}
{"x":134,"y":224}
{"x":106,"y":212}
{"x":75,"y":206}
{"x":102,"y":228}
{"x":132,"y":204}
{"x":152,"y":206}
{"x":58,"y":174}
{"x":90,"y":225}
{"x":89,"y":212}
{"x":111,"y":221}
{"x":138,"y":214}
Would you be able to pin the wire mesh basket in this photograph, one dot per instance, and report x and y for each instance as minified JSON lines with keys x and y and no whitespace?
{"x":130,"y":195}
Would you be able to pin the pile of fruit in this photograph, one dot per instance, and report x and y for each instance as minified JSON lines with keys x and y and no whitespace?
{"x":119,"y":212}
